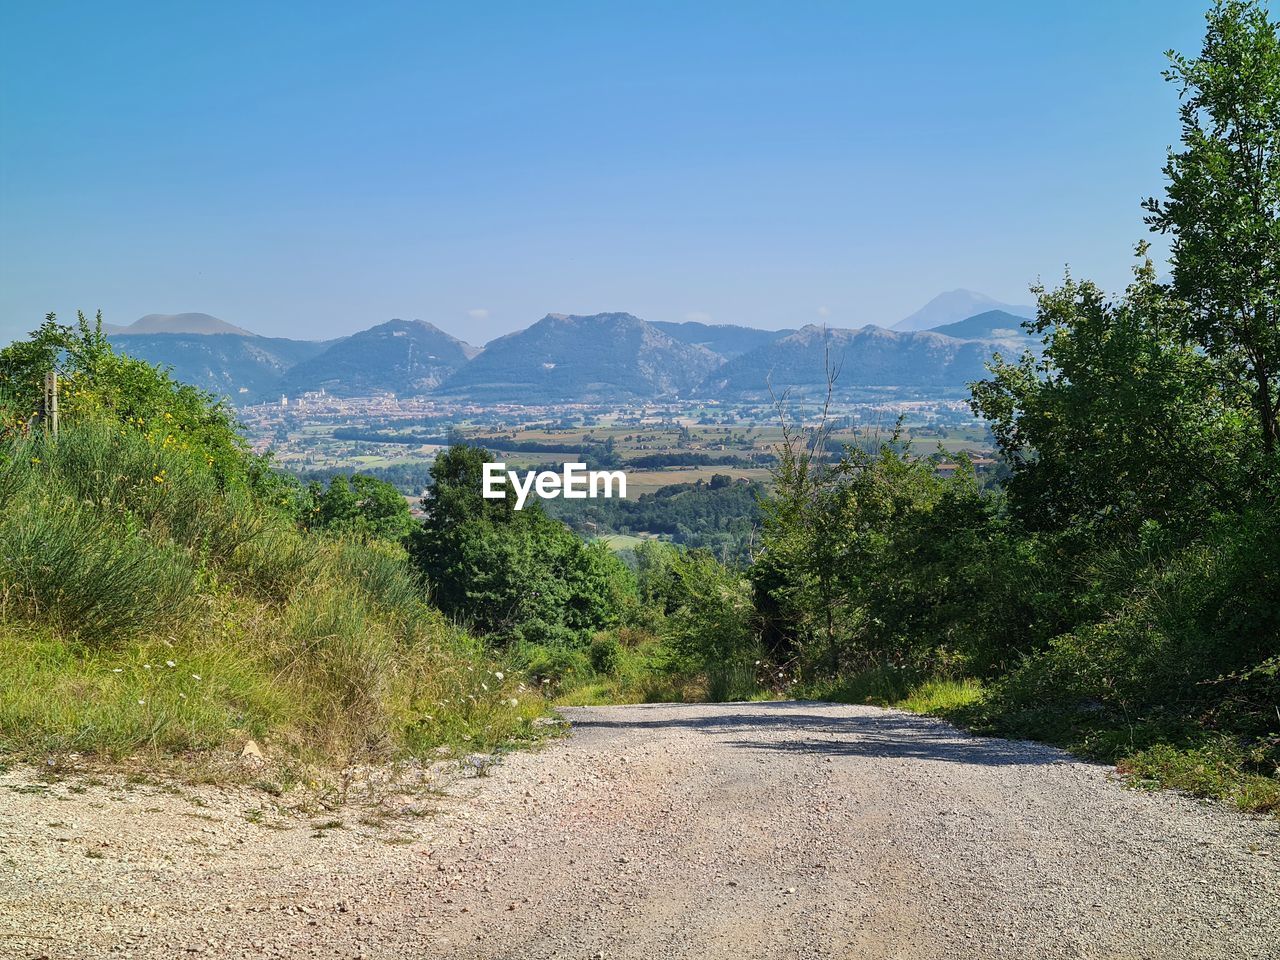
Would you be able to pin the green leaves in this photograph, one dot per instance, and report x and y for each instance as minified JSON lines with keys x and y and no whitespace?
{"x":1121,"y":420}
{"x":511,"y":574}
{"x":1223,"y":206}
{"x":359,"y":506}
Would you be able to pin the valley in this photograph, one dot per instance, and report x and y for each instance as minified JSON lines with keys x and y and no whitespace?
{"x":579,"y":529}
{"x":668,"y":448}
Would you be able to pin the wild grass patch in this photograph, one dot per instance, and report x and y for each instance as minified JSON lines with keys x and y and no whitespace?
{"x":149,"y":610}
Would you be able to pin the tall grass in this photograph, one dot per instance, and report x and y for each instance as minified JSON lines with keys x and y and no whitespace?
{"x":144,"y":607}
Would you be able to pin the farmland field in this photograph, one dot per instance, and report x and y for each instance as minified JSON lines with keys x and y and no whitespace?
{"x":398,"y":440}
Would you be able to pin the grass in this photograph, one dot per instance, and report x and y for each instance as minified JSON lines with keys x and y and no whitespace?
{"x":621,"y":541}
{"x":174,"y":617}
{"x":942,"y":697}
{"x":612,"y":691}
{"x":631,"y":666}
{"x":647,"y":481}
{"x":1219,"y":768}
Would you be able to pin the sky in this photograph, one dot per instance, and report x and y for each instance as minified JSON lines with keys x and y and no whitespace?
{"x":309,"y":170}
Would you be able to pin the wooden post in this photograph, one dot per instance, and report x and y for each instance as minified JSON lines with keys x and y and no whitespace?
{"x":51,"y":401}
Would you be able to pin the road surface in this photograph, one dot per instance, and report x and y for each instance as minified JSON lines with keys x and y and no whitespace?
{"x":773,"y":830}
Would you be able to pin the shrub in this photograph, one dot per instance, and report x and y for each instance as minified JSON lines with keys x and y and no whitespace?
{"x":552,"y":667}
{"x":605,"y":654}
{"x":513,"y":575}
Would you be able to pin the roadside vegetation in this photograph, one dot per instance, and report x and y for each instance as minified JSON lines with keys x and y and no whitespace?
{"x":163,"y":592}
{"x":1117,"y":593}
{"x":1112,"y":589}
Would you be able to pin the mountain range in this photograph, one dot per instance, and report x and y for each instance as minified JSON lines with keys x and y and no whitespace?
{"x":862,"y":361}
{"x":567,"y":358}
{"x":608,"y":356}
{"x":197,"y":323}
{"x":401,"y":356}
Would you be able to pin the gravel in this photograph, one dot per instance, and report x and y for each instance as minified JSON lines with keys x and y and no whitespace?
{"x":772,"y":830}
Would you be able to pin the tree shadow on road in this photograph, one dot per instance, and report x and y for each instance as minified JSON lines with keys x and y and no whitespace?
{"x":798,"y":727}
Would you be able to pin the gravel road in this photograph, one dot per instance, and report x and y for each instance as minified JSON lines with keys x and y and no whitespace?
{"x":772,"y":830}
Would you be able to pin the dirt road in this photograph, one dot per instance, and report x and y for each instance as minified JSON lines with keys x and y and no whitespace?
{"x":782,"y":830}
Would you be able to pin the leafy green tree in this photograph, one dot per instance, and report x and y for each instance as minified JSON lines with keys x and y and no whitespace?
{"x":513,"y":574}
{"x":1120,"y":422}
{"x":711,"y":626}
{"x":360,"y":506}
{"x":1223,"y":202}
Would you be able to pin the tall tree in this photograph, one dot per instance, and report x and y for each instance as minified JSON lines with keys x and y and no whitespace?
{"x":1223,"y":201}
{"x":1119,"y":421}
{"x":511,"y":574}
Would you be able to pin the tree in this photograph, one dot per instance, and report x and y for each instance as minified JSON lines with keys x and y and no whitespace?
{"x":711,"y":622}
{"x":1119,"y":422}
{"x":1223,"y":201}
{"x":98,"y":383}
{"x":360,"y":506}
{"x":512,"y":574}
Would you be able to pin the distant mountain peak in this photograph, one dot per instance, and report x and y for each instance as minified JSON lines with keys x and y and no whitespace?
{"x":572,"y":357}
{"x":988,"y":325}
{"x":198,"y":323}
{"x":406,"y":357}
{"x":590,"y":319}
{"x":956,"y":305}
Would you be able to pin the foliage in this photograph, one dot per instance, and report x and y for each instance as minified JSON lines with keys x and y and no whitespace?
{"x":359,"y":506}
{"x":1222,"y":206}
{"x":511,"y":574}
{"x":157,"y":595}
{"x":720,"y":515}
{"x":1120,"y":422}
{"x":605,"y":654}
{"x":97,"y":383}
{"x":1116,"y":593}
{"x":711,"y":623}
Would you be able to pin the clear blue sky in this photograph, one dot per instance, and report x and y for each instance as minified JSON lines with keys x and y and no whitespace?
{"x":311,"y":169}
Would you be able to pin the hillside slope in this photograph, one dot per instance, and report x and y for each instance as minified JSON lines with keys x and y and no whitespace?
{"x":724,"y":339}
{"x":989,"y":325}
{"x":243,"y":367}
{"x":400,"y":356}
{"x":954,"y":306}
{"x":197,"y":323}
{"x":867,"y":358}
{"x":607,"y":356}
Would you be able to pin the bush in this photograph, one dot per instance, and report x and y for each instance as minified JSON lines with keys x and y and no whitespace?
{"x":605,"y":654}
{"x":550,"y":666}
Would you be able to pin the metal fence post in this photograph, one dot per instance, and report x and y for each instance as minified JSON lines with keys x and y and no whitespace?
{"x":51,"y":401}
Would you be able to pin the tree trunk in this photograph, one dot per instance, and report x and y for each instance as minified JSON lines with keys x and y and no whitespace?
{"x":1266,"y":408}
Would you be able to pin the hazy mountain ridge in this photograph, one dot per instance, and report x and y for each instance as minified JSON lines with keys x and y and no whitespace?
{"x":607,"y":356}
{"x":725,"y":339}
{"x":201,"y":324}
{"x":956,"y":305}
{"x":991,"y":325}
{"x":246,"y":368}
{"x":866,"y":358}
{"x":567,"y":358}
